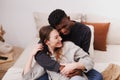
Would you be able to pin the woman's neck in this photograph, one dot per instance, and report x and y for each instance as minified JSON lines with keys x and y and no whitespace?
{"x":51,"y":49}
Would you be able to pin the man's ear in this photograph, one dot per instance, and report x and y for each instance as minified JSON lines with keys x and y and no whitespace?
{"x":68,"y":17}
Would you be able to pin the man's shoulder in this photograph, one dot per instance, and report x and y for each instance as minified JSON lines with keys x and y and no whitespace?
{"x":81,"y":27}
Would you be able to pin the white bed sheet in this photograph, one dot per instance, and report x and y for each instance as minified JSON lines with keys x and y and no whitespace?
{"x":14,"y":73}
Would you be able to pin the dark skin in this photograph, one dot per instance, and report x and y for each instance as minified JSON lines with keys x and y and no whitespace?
{"x":64,"y":28}
{"x":73,"y":73}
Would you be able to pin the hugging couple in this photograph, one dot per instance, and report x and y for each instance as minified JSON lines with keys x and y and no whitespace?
{"x":62,"y":52}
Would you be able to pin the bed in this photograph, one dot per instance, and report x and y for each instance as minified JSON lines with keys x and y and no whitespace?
{"x":102,"y":58}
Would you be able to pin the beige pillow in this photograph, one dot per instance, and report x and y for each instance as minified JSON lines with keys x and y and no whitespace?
{"x":41,"y":19}
{"x":100,"y":35}
{"x":5,"y":47}
{"x":112,"y":72}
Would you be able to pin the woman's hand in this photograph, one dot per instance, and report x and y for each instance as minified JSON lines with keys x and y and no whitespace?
{"x":36,"y":48}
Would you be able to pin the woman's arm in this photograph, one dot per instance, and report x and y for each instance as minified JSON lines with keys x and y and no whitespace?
{"x":46,"y":62}
{"x":28,"y":65}
{"x":31,"y":57}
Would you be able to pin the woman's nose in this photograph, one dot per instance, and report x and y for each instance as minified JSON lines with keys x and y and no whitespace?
{"x":60,"y":38}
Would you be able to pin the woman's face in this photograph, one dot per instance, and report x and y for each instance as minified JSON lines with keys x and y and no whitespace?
{"x":54,"y":39}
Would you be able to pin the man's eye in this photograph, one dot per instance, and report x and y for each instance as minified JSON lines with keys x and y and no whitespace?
{"x":63,"y":26}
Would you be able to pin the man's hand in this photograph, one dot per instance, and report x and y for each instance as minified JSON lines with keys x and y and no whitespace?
{"x":75,"y":72}
{"x":61,"y":67}
{"x":69,"y":67}
{"x":72,"y":73}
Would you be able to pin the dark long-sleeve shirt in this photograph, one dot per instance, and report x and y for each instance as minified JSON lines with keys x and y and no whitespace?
{"x":80,"y":34}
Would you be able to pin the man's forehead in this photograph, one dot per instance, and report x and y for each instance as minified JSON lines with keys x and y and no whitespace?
{"x":62,"y":23}
{"x":58,"y":26}
{"x":64,"y":20}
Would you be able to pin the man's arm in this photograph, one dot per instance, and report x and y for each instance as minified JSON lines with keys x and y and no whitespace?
{"x":75,"y":72}
{"x":46,"y":62}
{"x":86,"y":40}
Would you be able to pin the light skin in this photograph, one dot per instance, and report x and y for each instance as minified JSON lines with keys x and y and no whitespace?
{"x":30,"y":59}
{"x":64,"y":28}
{"x":53,"y":42}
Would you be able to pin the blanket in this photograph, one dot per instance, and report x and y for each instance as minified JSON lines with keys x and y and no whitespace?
{"x":112,"y":72}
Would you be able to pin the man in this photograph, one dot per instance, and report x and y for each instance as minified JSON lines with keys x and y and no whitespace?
{"x":70,"y":30}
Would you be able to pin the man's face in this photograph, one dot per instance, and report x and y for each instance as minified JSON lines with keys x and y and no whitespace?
{"x":64,"y":26}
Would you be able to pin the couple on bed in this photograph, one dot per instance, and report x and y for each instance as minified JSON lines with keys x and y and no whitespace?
{"x":63,"y":54}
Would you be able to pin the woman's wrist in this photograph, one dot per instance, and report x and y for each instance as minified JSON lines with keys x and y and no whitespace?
{"x":31,"y":56}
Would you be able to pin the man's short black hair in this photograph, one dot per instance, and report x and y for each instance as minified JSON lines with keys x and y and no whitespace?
{"x":55,"y":17}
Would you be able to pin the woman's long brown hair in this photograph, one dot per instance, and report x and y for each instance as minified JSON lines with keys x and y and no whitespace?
{"x":44,"y":34}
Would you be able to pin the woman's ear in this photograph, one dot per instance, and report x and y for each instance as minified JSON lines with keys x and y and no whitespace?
{"x":46,"y":42}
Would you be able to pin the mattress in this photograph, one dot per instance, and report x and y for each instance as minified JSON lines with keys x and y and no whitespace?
{"x":14,"y":73}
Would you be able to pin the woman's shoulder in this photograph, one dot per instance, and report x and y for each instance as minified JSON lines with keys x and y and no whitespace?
{"x":69,"y":45}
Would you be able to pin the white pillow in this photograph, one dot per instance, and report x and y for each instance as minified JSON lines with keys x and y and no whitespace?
{"x":91,"y":49}
{"x":113,"y":36}
{"x":41,"y":19}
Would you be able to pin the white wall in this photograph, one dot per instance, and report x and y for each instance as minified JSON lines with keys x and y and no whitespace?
{"x":17,"y":18}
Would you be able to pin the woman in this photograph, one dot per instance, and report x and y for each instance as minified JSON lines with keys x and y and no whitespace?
{"x":67,"y":54}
